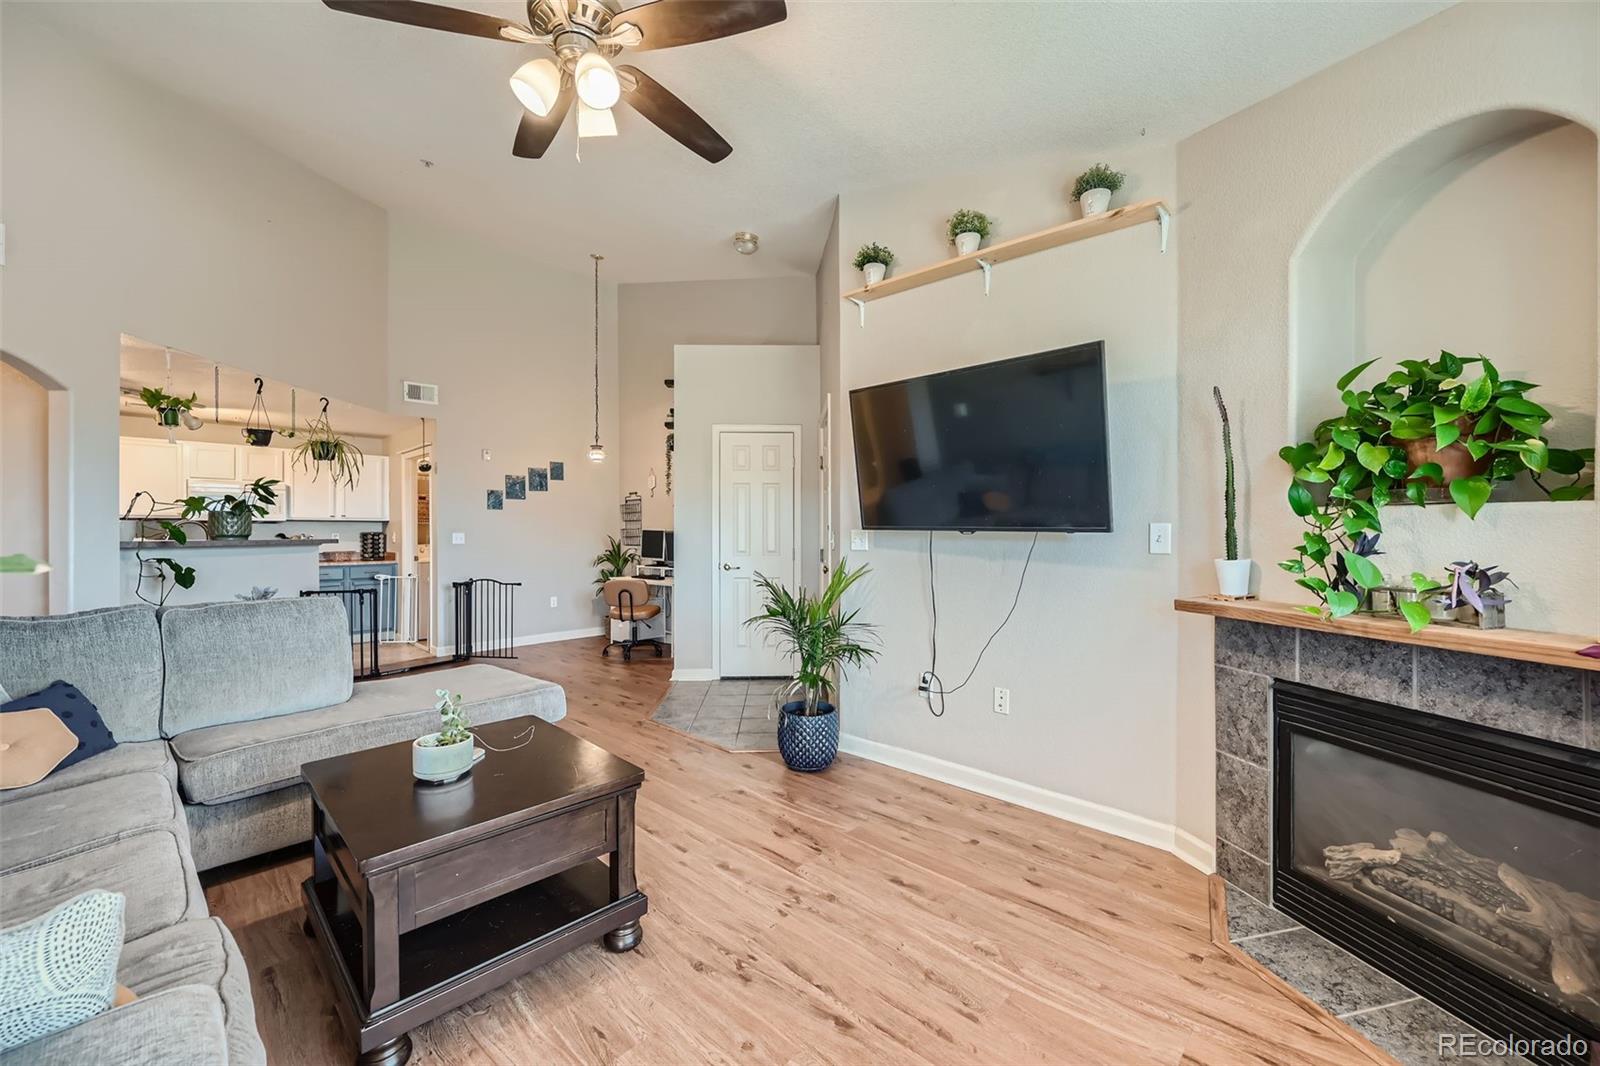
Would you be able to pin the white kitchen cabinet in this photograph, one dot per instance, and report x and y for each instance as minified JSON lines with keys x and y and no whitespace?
{"x":153,"y":466}
{"x":368,"y":499}
{"x":311,"y":498}
{"x":269,"y":463}
{"x":322,"y":498}
{"x":211,"y":462}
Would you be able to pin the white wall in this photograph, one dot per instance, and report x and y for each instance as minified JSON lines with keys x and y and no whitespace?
{"x":652,"y":319}
{"x":828,"y":308}
{"x":24,"y":488}
{"x":509,"y":342}
{"x":1088,"y":654}
{"x":129,"y":209}
{"x":733,"y":384}
{"x":1300,"y":150}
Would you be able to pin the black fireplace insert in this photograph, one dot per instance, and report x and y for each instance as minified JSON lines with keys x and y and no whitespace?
{"x":1462,"y":861}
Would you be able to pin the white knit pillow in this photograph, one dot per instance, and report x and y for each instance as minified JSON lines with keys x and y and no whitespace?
{"x":60,"y":968}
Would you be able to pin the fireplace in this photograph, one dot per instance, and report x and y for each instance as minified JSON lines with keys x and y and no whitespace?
{"x":1461,"y":860}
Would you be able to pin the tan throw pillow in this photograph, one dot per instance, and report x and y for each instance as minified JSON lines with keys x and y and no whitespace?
{"x":32,"y":743}
{"x":123,"y":996}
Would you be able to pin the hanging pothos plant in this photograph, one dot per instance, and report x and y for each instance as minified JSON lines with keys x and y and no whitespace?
{"x":1441,"y":430}
{"x":324,"y":447}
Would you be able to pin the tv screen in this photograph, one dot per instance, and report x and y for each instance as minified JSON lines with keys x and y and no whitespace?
{"x":1016,"y":445}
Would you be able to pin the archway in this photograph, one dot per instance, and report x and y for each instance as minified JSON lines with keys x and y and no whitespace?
{"x":35,"y":483}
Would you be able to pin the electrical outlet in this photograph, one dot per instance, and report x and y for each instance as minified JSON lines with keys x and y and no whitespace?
{"x":860,"y":540}
{"x":925,"y":682}
{"x":1160,"y":538}
{"x":1002,"y":700}
{"x":458,"y":538}
{"x":554,"y":602}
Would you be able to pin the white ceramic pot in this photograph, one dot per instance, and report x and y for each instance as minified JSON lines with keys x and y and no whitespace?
{"x":1095,"y":201}
{"x":441,"y":763}
{"x":874,"y":272}
{"x":1233,"y":577}
{"x":967,"y":242}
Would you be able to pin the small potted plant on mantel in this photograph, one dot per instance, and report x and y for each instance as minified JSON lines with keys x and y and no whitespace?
{"x":824,"y":637}
{"x":169,"y":409}
{"x":441,"y":757}
{"x":1233,"y":573}
{"x":232,"y":517}
{"x":873,"y":261}
{"x":1094,"y":188}
{"x":968,"y":229}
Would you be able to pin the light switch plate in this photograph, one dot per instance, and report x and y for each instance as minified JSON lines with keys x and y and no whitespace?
{"x":486,"y":455}
{"x":458,"y":538}
{"x":554,"y":602}
{"x":860,"y":540}
{"x":1160,"y":538}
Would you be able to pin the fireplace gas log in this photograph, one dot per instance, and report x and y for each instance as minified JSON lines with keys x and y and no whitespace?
{"x":1552,"y":930}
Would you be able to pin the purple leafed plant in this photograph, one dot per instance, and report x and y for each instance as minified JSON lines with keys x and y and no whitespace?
{"x":1365,"y":546}
{"x":1474,"y":584}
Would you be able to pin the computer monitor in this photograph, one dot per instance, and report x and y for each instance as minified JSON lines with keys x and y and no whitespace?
{"x":667,"y":558}
{"x":653,"y":544}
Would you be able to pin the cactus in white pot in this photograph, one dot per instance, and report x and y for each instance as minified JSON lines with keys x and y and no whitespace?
{"x":1233,"y":573}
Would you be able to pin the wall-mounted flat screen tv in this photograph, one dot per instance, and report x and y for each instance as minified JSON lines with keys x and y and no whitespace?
{"x":1018,"y":445}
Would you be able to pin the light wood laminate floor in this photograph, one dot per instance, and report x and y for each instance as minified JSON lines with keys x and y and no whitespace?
{"x":863,"y":915}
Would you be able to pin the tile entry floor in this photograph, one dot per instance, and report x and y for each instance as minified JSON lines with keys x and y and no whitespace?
{"x":736,"y":714}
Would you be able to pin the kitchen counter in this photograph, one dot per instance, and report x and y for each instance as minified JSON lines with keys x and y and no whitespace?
{"x":353,"y":559}
{"x":254,"y":542}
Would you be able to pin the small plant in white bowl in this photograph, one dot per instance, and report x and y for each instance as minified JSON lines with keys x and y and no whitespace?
{"x":968,"y":229}
{"x":444,"y":756}
{"x":1094,"y":187}
{"x":873,"y":261}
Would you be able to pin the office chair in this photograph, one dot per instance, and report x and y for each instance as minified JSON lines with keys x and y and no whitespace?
{"x":628,"y":600}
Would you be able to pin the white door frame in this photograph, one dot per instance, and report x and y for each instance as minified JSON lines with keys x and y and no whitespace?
{"x":825,"y":492}
{"x":716,"y":520}
{"x":408,"y":530}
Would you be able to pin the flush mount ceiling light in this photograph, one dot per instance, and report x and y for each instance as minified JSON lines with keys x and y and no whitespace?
{"x":586,"y":36}
{"x":597,"y":451}
{"x":745,"y":242}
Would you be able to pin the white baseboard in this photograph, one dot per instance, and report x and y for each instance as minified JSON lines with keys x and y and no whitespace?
{"x":558,"y":635}
{"x":685,"y":674}
{"x":1201,"y":854}
{"x":1125,"y":824}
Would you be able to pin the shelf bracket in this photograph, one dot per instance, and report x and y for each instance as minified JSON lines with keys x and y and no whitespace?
{"x":1164,"y":220}
{"x":861,"y":307}
{"x":987,"y":268}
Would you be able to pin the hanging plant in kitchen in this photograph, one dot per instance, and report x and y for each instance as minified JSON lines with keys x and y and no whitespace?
{"x":169,"y":409}
{"x":324,"y":447}
{"x":258,"y":426}
{"x":1448,"y":429}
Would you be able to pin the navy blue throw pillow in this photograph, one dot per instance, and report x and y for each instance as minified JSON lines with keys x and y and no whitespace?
{"x":76,"y":713}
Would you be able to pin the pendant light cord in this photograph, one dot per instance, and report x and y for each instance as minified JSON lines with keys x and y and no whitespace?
{"x":596,"y":259}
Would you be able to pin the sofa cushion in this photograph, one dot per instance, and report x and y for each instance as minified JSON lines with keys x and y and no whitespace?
{"x":74,"y":710}
{"x":182,"y":1026}
{"x":151,"y":869}
{"x":144,"y":756}
{"x":227,"y":832}
{"x":236,"y":662}
{"x":52,"y":824}
{"x":112,"y":655}
{"x":60,"y":969}
{"x":198,"y":953}
{"x":228,"y":762}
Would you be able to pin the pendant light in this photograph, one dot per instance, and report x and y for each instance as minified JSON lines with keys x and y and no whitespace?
{"x":597,"y":451}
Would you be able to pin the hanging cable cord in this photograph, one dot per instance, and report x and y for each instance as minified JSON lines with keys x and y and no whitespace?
{"x":935,"y":686}
{"x":596,"y":259}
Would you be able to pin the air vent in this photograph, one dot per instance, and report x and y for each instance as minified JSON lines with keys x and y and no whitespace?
{"x":418,"y":392}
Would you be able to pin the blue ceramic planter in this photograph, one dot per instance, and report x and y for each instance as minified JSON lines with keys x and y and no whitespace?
{"x":808,"y":743}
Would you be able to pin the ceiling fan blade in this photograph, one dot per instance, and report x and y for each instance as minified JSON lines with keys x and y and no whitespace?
{"x":433,"y":17}
{"x":676,"y":118}
{"x":534,"y":134}
{"x":669,"y":23}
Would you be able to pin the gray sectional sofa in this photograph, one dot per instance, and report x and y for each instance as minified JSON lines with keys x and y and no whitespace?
{"x":214,"y":707}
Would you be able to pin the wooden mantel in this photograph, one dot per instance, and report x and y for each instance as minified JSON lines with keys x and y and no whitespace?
{"x":1527,"y":645}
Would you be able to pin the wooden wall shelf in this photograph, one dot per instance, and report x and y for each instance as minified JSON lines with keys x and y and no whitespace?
{"x":1526,"y":645}
{"x":1015,"y":248}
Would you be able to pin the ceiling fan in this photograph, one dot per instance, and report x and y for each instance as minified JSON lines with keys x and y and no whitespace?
{"x":586,"y":35}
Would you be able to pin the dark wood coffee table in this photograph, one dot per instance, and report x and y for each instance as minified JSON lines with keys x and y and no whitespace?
{"x":426,"y":896}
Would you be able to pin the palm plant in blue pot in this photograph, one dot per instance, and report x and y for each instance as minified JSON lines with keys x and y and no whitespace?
{"x":824,"y":637}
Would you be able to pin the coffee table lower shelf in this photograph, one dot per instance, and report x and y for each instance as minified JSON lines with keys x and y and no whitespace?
{"x":451,"y":961}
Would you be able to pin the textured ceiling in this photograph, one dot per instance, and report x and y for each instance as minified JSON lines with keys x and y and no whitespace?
{"x":844,"y":94}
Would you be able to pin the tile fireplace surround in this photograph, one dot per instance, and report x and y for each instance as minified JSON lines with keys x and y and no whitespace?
{"x":1532,"y":699}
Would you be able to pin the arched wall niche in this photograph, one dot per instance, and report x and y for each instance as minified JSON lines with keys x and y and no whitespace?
{"x":35,"y":483}
{"x":1478,"y":237}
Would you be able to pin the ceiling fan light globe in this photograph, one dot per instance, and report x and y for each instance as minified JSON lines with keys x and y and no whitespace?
{"x":536,"y":84}
{"x":595,"y":122}
{"x":597,"y":82}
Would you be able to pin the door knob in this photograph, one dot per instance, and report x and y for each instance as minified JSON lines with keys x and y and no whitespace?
{"x":725,"y":566}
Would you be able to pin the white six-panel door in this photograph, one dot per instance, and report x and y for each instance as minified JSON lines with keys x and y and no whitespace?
{"x":755,"y":535}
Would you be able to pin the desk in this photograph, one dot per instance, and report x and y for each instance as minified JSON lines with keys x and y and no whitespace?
{"x":661,"y":588}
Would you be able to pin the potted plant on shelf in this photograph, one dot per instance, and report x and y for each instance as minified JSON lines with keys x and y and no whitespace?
{"x":169,"y":409}
{"x":1471,"y":594}
{"x":1094,"y":187}
{"x":873,"y":261}
{"x":232,"y":517}
{"x":968,"y":229}
{"x":441,"y":757}
{"x":1442,"y":429}
{"x":1233,"y":573}
{"x":825,"y":638}
{"x":324,"y":447}
{"x":611,"y":563}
